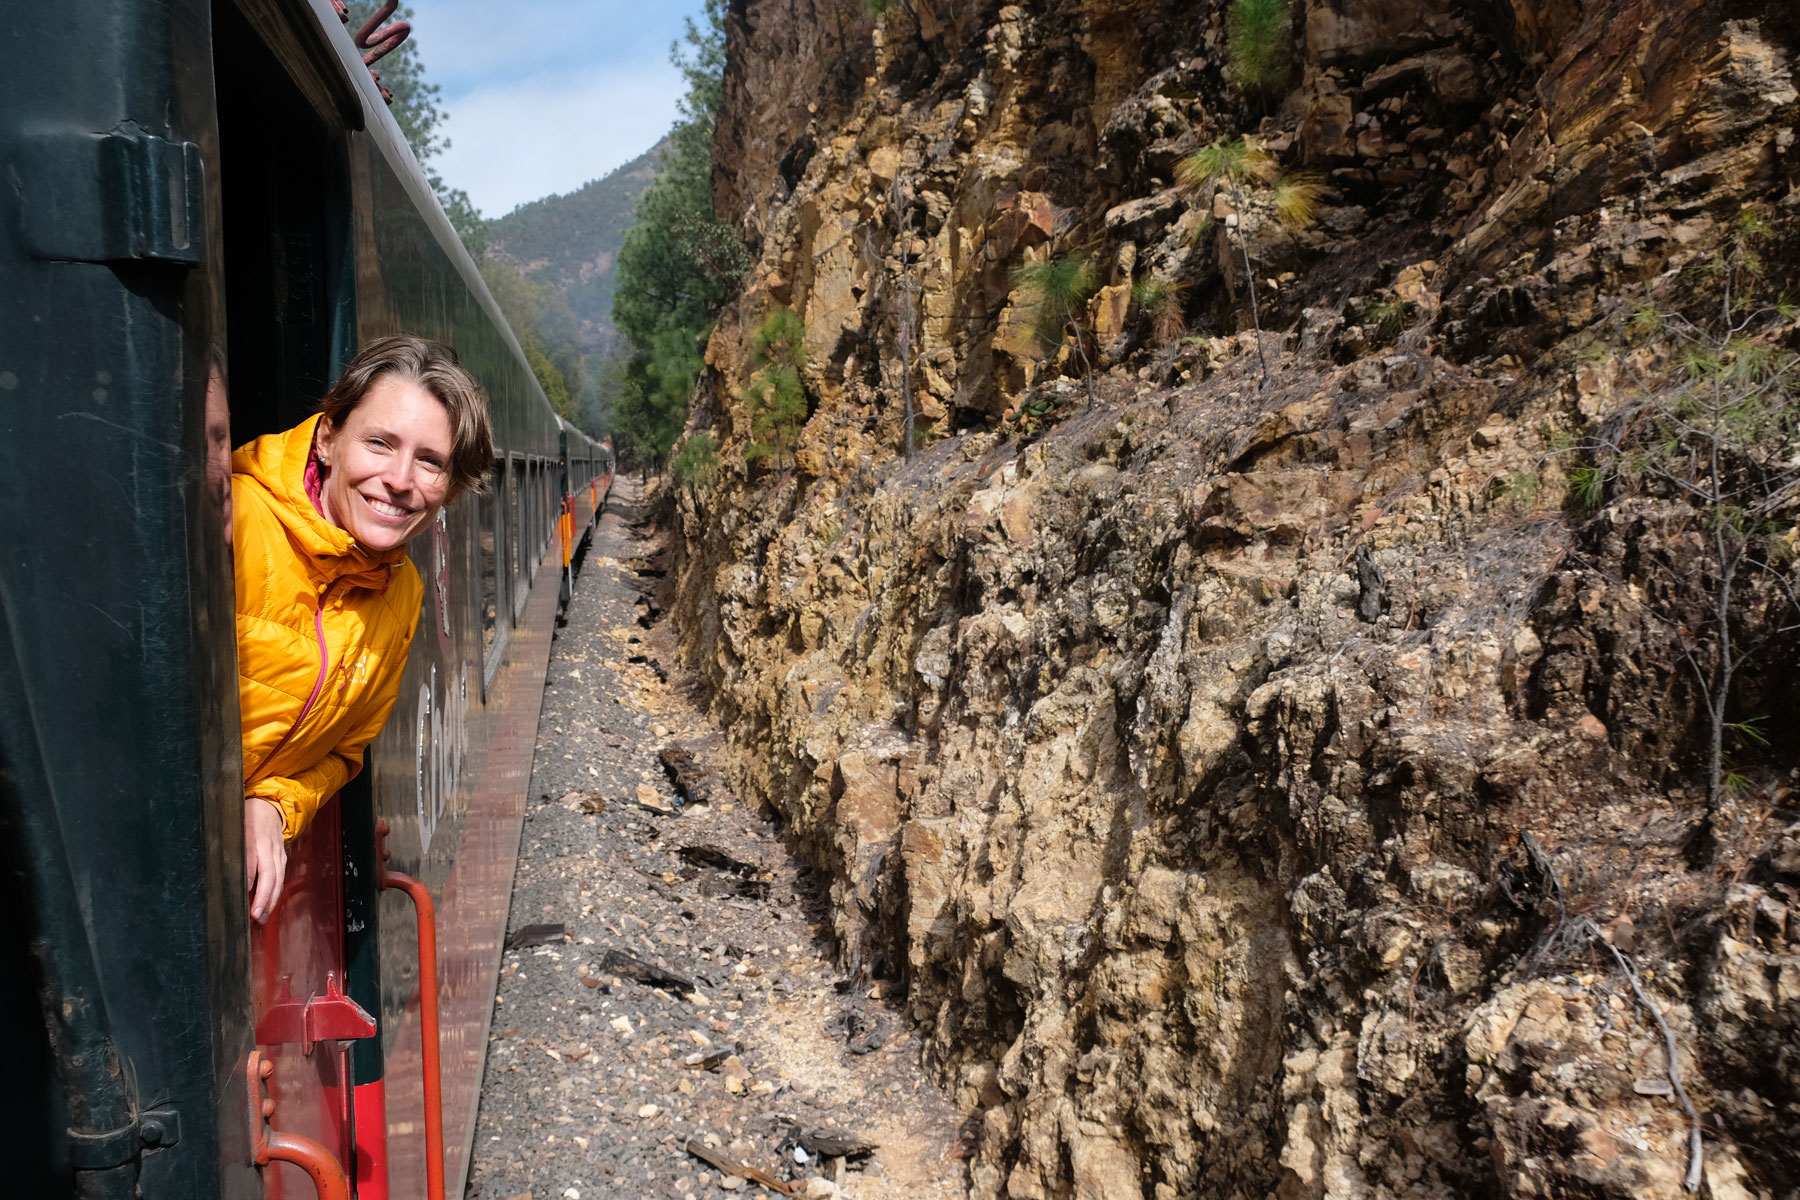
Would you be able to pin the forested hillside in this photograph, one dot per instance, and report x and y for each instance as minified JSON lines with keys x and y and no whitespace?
{"x":572,"y":243}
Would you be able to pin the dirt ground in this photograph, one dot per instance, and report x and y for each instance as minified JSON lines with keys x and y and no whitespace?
{"x":690,"y":1034}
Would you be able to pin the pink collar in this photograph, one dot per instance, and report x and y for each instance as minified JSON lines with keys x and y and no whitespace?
{"x":316,"y":472}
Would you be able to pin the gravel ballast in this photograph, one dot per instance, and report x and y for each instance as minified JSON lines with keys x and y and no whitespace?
{"x":691,"y":1021}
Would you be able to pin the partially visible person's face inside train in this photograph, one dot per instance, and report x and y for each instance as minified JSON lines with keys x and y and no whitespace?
{"x":218,"y":446}
{"x":389,"y":464}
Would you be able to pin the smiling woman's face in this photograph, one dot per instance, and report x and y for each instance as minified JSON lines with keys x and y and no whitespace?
{"x":389,"y":464}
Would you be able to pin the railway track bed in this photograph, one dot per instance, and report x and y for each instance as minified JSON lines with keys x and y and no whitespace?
{"x":668,"y":1009}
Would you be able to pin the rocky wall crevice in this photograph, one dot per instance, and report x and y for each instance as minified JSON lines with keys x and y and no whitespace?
{"x":1226,"y":772}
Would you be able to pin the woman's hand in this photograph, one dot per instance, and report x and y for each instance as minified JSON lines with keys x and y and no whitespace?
{"x":265,"y":856}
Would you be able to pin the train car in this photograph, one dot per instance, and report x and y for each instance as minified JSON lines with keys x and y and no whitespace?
{"x":203,"y":188}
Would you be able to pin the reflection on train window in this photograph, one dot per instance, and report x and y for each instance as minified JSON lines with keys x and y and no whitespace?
{"x":491,"y":536}
{"x":515,"y":528}
{"x":543,"y":515}
{"x":512,"y":519}
{"x":531,"y":521}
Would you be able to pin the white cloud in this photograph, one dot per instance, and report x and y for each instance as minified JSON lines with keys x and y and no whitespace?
{"x":470,"y":43}
{"x":513,"y":142}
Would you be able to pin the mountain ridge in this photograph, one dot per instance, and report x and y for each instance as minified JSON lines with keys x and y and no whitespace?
{"x":571,"y":241}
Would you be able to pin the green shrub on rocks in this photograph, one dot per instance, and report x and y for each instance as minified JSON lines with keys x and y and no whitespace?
{"x":1058,"y":289}
{"x":697,"y":461}
{"x":1258,"y":45}
{"x":774,"y":395}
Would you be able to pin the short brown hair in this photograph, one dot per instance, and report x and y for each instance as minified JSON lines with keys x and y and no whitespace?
{"x":436,"y":368}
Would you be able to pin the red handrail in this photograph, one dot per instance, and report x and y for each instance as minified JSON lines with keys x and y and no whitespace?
{"x":428,"y":1012}
{"x":270,"y":1146}
{"x":311,"y":1157}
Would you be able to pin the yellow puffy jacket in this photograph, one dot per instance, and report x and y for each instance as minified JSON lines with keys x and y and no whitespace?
{"x":322,"y":631}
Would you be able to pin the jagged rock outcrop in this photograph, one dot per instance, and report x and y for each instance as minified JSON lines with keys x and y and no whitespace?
{"x":1248,"y":778}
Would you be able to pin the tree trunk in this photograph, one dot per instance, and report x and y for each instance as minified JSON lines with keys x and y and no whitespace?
{"x":1249,"y":280}
{"x":906,"y":316}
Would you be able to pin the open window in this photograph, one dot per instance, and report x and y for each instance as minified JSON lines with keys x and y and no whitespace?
{"x":284,"y":185}
{"x":285,"y":266}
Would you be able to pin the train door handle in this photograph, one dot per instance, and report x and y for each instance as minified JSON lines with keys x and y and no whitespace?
{"x":331,"y":1016}
{"x":428,"y":1010}
{"x":268,"y":1145}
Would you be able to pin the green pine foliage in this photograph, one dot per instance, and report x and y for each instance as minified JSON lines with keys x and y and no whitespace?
{"x":1296,"y":199}
{"x":649,"y":409}
{"x":1259,"y":45}
{"x":1164,"y":304}
{"x":1233,"y":162}
{"x":1587,"y":486}
{"x":697,"y":461}
{"x":775,"y":396}
{"x":1059,"y":289}
{"x":677,"y":263}
{"x":1388,"y":319}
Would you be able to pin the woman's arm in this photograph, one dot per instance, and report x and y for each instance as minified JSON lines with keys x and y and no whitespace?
{"x":278,"y":808}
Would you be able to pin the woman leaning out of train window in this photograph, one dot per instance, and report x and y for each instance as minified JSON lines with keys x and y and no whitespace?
{"x":326,"y":599}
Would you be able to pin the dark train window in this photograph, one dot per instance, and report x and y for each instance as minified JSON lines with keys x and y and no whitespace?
{"x":543,"y":509}
{"x":289,"y":321}
{"x":492,"y":537}
{"x":515,"y":530}
{"x":531,"y":520}
{"x":543,"y":506}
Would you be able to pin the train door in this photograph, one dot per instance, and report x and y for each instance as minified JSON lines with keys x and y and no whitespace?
{"x":289,"y":330}
{"x":120,"y":964}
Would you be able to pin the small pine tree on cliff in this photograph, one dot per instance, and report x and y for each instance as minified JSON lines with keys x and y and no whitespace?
{"x":1258,"y":45}
{"x":1059,"y":289}
{"x":697,"y":461}
{"x":1234,"y":164}
{"x":774,"y":395}
{"x":1719,"y":432}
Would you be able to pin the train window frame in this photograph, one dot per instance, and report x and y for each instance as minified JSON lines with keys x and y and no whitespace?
{"x":492,"y":521}
{"x":527,"y":514}
{"x":526,"y":505}
{"x":537,"y":513}
{"x":516,"y":503}
{"x":545,"y":525}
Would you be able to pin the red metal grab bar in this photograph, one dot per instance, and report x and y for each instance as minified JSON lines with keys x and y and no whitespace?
{"x":376,"y":40}
{"x":428,"y":1012}
{"x":271,"y":1146}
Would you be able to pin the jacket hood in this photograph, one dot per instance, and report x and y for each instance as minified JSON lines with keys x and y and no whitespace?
{"x":277,"y":463}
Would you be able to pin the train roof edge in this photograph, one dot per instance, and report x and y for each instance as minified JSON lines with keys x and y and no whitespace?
{"x":381,"y":127}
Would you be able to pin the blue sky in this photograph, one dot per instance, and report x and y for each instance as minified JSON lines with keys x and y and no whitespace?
{"x":545,"y":95}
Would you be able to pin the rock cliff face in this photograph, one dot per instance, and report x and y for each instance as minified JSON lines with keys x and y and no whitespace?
{"x":1247,"y":774}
